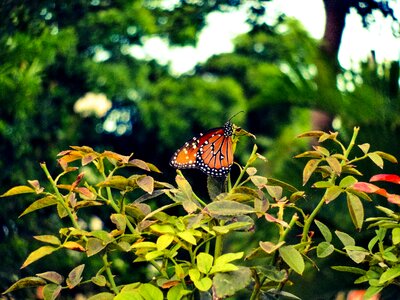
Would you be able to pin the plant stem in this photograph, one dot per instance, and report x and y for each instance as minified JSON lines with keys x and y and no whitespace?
{"x":249,"y":162}
{"x":352,"y":143}
{"x":109,"y":274}
{"x":60,"y":198}
{"x":316,"y":210}
{"x":219,"y":242}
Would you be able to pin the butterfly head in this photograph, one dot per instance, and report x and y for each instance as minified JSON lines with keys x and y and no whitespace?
{"x":228,"y":129}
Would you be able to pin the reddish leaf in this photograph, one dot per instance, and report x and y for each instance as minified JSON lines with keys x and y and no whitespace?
{"x":51,"y":276}
{"x":393,"y":198}
{"x":271,"y":218}
{"x":386,"y":177}
{"x":139,"y":164}
{"x":146,"y":183}
{"x":369,"y":188}
{"x":86,"y":193}
{"x":116,"y":157}
{"x":74,"y":246}
{"x":75,"y":276}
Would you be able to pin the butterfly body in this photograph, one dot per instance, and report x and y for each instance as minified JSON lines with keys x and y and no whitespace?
{"x":210,"y":152}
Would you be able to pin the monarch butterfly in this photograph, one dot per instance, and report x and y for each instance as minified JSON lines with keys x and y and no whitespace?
{"x":210,"y":152}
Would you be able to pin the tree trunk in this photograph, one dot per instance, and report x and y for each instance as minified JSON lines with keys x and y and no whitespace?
{"x":329,"y":98}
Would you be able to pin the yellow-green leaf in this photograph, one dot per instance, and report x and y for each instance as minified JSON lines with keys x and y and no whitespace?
{"x":309,"y":169}
{"x":376,"y":158}
{"x":26,"y":283}
{"x":17,"y":190}
{"x":164,"y":241}
{"x":334,"y":164}
{"x":38,"y":254}
{"x":38,"y":204}
{"x":356,"y":210}
{"x":50,"y":239}
{"x":332,"y":193}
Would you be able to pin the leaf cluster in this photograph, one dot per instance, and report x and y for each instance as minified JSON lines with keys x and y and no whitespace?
{"x":186,"y":249}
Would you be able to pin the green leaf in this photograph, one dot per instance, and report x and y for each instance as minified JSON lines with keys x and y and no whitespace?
{"x":322,"y":184}
{"x":233,"y":226}
{"x":356,"y":210}
{"x":227,"y":284}
{"x":102,"y":296}
{"x":293,"y":258}
{"x":349,"y":269}
{"x":228,"y":267}
{"x":356,"y":253}
{"x":203,"y":284}
{"x":150,"y":292}
{"x":144,"y":245}
{"x":38,"y":254}
{"x":177,"y":292}
{"x":153,"y":255}
{"x":99,"y":280}
{"x":228,"y":208}
{"x":372,"y":243}
{"x":347,"y":181}
{"x":371,"y":291}
{"x":228,"y":257}
{"x":309,"y":169}
{"x":164,"y":241}
{"x":39,"y":204}
{"x":332,"y":193}
{"x":75,"y":276}
{"x":129,"y":295}
{"x":272,"y":273}
{"x":396,"y":236}
{"x":324,"y":249}
{"x":326,"y":233}
{"x":51,"y":291}
{"x":17,"y":190}
{"x":163,"y":228}
{"x":376,"y":158}
{"x":187,"y":236}
{"x":26,"y":282}
{"x":346,"y":239}
{"x":204,"y":262}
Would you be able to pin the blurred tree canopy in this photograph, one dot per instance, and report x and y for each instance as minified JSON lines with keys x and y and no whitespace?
{"x":52,"y":53}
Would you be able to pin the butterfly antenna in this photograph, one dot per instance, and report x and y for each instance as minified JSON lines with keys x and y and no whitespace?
{"x":235,"y":115}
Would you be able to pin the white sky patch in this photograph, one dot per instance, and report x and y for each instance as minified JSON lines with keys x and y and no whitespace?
{"x":357,"y":41}
{"x":222,"y":28}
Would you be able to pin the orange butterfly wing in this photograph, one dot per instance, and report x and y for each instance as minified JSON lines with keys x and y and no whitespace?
{"x":211,"y":152}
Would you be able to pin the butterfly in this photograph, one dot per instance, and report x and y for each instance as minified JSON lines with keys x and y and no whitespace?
{"x":210,"y":152}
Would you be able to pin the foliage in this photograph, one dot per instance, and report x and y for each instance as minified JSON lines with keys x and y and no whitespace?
{"x":186,"y":248}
